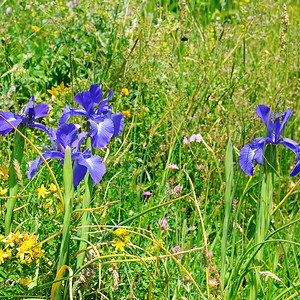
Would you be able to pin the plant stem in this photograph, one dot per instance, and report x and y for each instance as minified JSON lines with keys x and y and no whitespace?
{"x":68,"y":204}
{"x":17,"y":154}
{"x":85,"y":220}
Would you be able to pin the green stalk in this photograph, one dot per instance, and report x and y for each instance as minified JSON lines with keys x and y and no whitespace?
{"x":228,"y":206}
{"x":85,"y":220}
{"x":17,"y":154}
{"x":264,"y":208}
{"x":68,"y":204}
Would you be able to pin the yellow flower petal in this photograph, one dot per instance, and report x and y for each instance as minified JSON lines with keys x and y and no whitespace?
{"x":35,"y":28}
{"x":119,"y":245}
{"x":42,"y":191}
{"x":125,"y":92}
{"x":24,"y":281}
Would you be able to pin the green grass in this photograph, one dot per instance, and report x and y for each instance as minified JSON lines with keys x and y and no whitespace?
{"x":190,"y":67}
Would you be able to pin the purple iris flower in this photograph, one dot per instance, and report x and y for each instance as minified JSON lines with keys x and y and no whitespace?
{"x":29,"y":115}
{"x":254,"y":151}
{"x":65,"y":136}
{"x":104,"y":123}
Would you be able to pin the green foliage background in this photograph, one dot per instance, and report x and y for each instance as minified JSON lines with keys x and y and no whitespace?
{"x":190,"y":67}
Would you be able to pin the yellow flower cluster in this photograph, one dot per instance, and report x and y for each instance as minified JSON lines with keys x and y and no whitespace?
{"x":125,"y":92}
{"x":123,"y":238}
{"x":60,"y":89}
{"x":22,"y":246}
{"x":35,"y":28}
{"x":4,"y":173}
{"x":126,"y":113}
{"x":25,"y":281}
{"x":42,"y":191}
{"x":3,"y":191}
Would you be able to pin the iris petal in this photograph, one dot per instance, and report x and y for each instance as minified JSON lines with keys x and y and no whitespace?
{"x":29,"y":111}
{"x":296,"y":169}
{"x":103,"y":103}
{"x":101,"y":132}
{"x":95,"y":93}
{"x":277,"y":127}
{"x":39,"y":126}
{"x":95,"y":166}
{"x":66,"y":135}
{"x":79,"y":172}
{"x":81,"y":136}
{"x":258,"y":145}
{"x":40,"y":110}
{"x":14,"y":119}
{"x":38,"y":161}
{"x":246,"y":159}
{"x":83,"y":100}
{"x":266,"y":115}
{"x":295,"y":147}
{"x":69,"y":111}
{"x":89,"y":99}
{"x":118,"y":120}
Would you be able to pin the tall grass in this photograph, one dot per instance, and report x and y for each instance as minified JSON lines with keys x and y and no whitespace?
{"x":190,"y":67}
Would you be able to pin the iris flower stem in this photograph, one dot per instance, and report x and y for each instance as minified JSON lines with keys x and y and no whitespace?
{"x":68,"y":204}
{"x":85,"y":220}
{"x":264,"y":208}
{"x":17,"y":154}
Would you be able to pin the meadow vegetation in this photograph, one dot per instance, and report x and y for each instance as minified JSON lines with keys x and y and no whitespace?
{"x":174,"y":216}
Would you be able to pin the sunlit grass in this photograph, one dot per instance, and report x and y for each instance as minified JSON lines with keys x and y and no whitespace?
{"x":174,"y":216}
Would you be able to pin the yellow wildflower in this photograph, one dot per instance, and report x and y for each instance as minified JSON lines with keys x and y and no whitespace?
{"x":42,"y":191}
{"x":18,"y":236}
{"x":62,"y":88}
{"x":53,"y":188}
{"x":4,"y":173}
{"x":1,"y":256}
{"x":7,"y":254}
{"x":26,"y":248}
{"x":123,"y":238}
{"x":126,"y":113}
{"x":125,"y":92}
{"x":55,"y":33}
{"x":10,"y":239}
{"x":26,"y":245}
{"x":35,"y":28}
{"x":119,"y":245}
{"x":24,"y":281}
{"x":3,"y":191}
{"x":32,"y":14}
{"x":123,"y":234}
{"x":53,"y":92}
